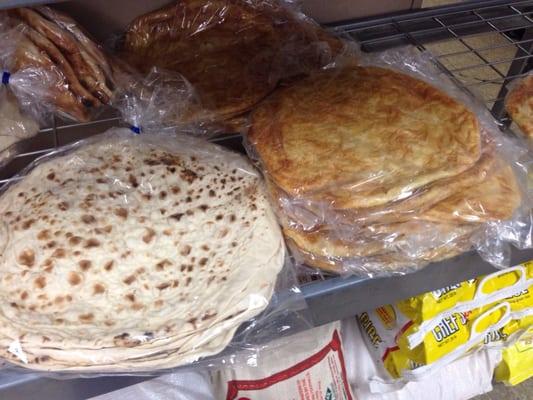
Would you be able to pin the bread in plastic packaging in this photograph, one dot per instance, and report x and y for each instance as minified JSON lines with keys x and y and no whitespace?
{"x":124,"y":253}
{"x":519,"y":103}
{"x":54,"y":64}
{"x":462,"y":379}
{"x":234,"y":52}
{"x":382,"y":168}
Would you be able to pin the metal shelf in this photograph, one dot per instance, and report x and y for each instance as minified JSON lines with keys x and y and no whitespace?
{"x":4,"y":4}
{"x":449,"y":32}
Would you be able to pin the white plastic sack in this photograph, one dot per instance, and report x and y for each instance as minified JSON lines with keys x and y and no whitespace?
{"x":462,"y":379}
{"x":186,"y":385}
{"x":306,"y":366}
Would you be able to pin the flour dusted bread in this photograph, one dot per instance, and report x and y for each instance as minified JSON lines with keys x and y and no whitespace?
{"x":362,"y":136}
{"x":519,"y":104}
{"x":233,"y":51}
{"x":129,"y":247}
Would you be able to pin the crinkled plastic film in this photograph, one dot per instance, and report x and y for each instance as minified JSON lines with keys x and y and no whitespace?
{"x":381,"y":168}
{"x":230,"y":72}
{"x":14,"y":126}
{"x":136,"y":254}
{"x":53,"y":66}
{"x":519,"y":103}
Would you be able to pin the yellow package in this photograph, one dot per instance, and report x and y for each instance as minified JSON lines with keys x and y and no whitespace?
{"x":506,"y":285}
{"x":517,"y":360}
{"x":460,"y":329}
{"x":475,"y":291}
{"x":427,"y":305}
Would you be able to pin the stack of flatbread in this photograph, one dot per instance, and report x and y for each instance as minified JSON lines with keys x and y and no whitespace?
{"x":79,"y":77}
{"x":519,"y":104}
{"x":234,"y":52}
{"x":372,"y":170}
{"x":133,"y":254}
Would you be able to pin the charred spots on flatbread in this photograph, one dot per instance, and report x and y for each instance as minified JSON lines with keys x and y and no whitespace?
{"x":149,"y":235}
{"x":26,"y":258}
{"x":40,"y":282}
{"x":75,"y":240}
{"x":129,"y":280}
{"x":98,"y":288}
{"x":86,"y":318}
{"x":121,"y":212}
{"x":185,"y":250}
{"x":85,"y":265}
{"x":92,"y":242}
{"x":74,"y":278}
{"x":177,"y":216}
{"x":108,"y":266}
{"x":88,"y":219}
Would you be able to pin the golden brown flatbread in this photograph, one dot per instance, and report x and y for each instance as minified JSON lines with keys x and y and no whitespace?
{"x":519,"y":105}
{"x":309,"y":213}
{"x":494,"y":199}
{"x":233,"y":52}
{"x":362,"y":137}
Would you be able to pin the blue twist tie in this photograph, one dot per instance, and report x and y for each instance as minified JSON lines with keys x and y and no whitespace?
{"x":135,"y":129}
{"x":5,"y":77}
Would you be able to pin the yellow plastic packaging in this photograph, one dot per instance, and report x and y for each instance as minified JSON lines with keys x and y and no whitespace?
{"x":517,"y":360}
{"x":510,"y":285}
{"x":453,"y":332}
{"x":428,"y":305}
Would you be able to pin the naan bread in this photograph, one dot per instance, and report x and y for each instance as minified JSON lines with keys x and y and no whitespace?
{"x":233,"y":52}
{"x":519,"y":105}
{"x":362,"y":137}
{"x":133,"y":246}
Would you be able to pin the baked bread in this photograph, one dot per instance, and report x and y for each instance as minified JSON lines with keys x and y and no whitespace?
{"x":519,"y":104}
{"x":362,"y":137}
{"x":77,"y":75}
{"x":132,"y":252}
{"x":234,"y":52}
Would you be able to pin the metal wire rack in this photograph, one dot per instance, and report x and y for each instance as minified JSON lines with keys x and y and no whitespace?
{"x":456,"y":35}
{"x":482,"y":45}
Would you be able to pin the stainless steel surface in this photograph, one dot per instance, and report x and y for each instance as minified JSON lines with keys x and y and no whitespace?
{"x":332,"y":298}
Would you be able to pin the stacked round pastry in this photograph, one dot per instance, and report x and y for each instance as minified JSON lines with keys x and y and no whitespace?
{"x":234,"y":52}
{"x":372,"y":169}
{"x":133,"y":254}
{"x":519,"y":104}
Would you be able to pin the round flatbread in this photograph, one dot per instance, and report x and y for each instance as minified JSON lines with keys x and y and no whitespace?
{"x":232,"y":51}
{"x":519,"y":104}
{"x":123,"y":247}
{"x":362,"y":136}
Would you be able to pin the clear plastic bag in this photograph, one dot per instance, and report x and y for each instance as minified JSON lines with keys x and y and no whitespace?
{"x":233,"y":52}
{"x":381,"y":168}
{"x":136,"y":253}
{"x":14,"y":126}
{"x":52,"y":65}
{"x":519,"y":103}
